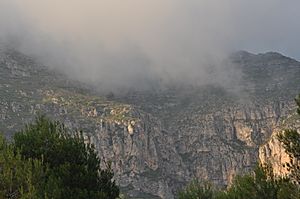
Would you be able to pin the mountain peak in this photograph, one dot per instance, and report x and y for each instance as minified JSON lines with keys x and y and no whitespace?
{"x":273,"y":55}
{"x":245,"y":56}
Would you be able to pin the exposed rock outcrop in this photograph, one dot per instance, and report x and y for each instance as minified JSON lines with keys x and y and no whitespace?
{"x":158,"y":141}
{"x":273,"y":152}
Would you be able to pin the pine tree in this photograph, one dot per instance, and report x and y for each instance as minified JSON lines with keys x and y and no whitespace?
{"x":46,"y":161}
{"x":19,"y":178}
{"x":290,"y":139}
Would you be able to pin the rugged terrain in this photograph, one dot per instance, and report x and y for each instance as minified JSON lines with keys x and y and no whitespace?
{"x":272,"y":152}
{"x":161,"y":139}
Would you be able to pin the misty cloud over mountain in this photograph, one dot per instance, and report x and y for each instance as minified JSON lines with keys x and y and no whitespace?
{"x":141,"y":43}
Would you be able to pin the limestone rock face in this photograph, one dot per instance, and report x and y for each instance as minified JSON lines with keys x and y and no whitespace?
{"x":158,"y":141}
{"x":272,"y":152}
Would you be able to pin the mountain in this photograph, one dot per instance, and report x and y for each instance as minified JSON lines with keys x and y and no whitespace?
{"x":159,"y":140}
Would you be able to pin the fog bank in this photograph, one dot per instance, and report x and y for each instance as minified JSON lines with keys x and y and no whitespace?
{"x":141,"y":43}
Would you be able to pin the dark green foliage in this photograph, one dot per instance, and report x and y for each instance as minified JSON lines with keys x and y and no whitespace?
{"x":291,"y":142}
{"x":73,"y":165}
{"x":253,"y":186}
{"x":18,"y":178}
{"x":262,"y":185}
{"x":198,"y":190}
{"x":290,"y":139}
{"x":45,"y":161}
{"x":259,"y":185}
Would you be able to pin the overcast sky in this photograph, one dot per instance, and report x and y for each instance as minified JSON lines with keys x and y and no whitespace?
{"x":126,"y":43}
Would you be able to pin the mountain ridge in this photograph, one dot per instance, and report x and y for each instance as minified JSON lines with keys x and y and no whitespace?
{"x":159,"y":140}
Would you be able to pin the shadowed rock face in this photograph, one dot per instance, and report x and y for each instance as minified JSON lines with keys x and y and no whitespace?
{"x":159,"y":140}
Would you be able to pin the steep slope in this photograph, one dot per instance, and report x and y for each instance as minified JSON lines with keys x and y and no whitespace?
{"x":159,"y":140}
{"x":272,"y":152}
{"x":121,"y":133}
{"x":215,"y":132}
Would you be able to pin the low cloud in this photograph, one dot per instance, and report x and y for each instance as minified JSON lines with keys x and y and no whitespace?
{"x":117,"y":44}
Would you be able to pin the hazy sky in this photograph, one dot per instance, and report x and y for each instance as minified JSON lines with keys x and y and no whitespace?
{"x":125,"y":43}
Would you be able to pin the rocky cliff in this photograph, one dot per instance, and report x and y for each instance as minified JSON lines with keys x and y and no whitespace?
{"x":272,"y":152}
{"x":159,"y":140}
